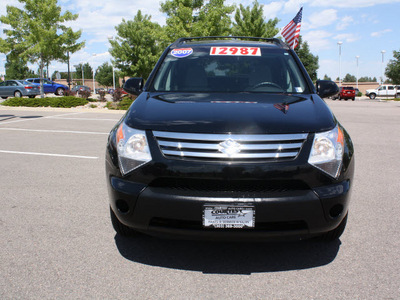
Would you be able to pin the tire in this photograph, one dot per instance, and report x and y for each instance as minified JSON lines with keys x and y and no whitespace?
{"x":120,"y":228}
{"x":4,"y":97}
{"x":32,"y":96}
{"x":372,"y":96}
{"x":397,"y":95}
{"x":335,"y":233}
{"x":17,"y":94}
{"x":353,"y":98}
{"x":59,"y":91}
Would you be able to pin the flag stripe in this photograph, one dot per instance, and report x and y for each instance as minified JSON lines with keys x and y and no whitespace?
{"x":291,"y":31}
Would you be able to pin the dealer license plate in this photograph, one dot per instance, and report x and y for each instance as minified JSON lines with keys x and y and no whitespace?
{"x":228,"y":216}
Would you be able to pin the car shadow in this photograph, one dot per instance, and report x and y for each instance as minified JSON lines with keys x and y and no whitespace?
{"x":227,"y":258}
{"x":10,"y":117}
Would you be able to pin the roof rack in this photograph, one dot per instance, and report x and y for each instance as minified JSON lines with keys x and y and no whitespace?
{"x":275,"y":41}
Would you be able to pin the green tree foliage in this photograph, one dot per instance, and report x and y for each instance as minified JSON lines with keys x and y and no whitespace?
{"x":104,"y":74}
{"x":349,"y":78}
{"x":87,"y":71}
{"x":181,"y":14}
{"x":367,"y":79}
{"x":137,"y":46}
{"x":16,"y":68}
{"x":326,"y":77}
{"x":38,"y":33}
{"x":309,"y":60}
{"x":393,"y":68}
{"x":250,"y":22}
{"x":213,"y":19}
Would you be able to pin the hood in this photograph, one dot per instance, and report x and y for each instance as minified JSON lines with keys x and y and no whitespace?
{"x":252,"y":113}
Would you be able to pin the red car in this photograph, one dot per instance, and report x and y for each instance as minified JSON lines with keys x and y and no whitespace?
{"x":346,"y":92}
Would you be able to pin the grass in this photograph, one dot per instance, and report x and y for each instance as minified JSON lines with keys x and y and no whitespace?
{"x":66,"y":102}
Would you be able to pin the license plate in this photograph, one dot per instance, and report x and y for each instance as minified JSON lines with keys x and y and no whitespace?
{"x":228,"y":216}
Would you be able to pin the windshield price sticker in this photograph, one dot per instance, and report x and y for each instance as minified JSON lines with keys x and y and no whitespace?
{"x":228,"y":216}
{"x":236,"y":51}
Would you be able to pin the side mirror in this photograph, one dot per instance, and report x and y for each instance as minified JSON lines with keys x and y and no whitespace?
{"x":134,"y":85}
{"x":326,"y":88}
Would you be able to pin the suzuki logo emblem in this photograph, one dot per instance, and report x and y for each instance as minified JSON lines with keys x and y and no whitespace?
{"x":229,"y":147}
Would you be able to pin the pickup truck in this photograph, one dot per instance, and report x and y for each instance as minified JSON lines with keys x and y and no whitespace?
{"x":384,"y":91}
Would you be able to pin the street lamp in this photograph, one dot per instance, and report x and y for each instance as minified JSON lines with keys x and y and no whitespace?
{"x":110,"y":37}
{"x":94,"y":71}
{"x":340,"y":62}
{"x":383,"y":54}
{"x":357,"y":57}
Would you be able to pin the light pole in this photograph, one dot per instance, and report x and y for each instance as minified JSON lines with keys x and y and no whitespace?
{"x":357,"y":57}
{"x":110,"y":38}
{"x":340,"y":62}
{"x":383,"y":54}
{"x":94,"y":71}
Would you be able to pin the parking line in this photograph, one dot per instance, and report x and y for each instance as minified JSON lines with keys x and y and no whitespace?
{"x":48,"y":154}
{"x":56,"y":131}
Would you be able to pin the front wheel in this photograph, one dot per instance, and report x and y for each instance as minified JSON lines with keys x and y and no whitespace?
{"x":60,"y":91}
{"x":372,"y":96}
{"x":17,"y":94}
{"x":4,"y":97}
{"x":335,"y":233}
{"x":120,"y":228}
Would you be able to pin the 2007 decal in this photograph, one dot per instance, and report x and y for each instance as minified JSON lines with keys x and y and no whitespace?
{"x":182,"y":52}
{"x":240,"y":51}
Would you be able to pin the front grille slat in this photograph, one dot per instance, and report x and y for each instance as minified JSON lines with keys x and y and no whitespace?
{"x":229,"y":146}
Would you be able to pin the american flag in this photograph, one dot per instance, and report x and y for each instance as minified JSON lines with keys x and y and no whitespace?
{"x":291,"y":31}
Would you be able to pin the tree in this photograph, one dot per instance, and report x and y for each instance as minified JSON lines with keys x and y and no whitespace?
{"x":309,"y":60}
{"x":87,"y":71}
{"x":196,"y":18}
{"x":367,"y":79}
{"x":16,"y":68}
{"x":38,"y":34}
{"x":181,"y":14}
{"x":104,"y":74}
{"x":138,"y":45}
{"x":393,"y":68}
{"x":213,"y":19}
{"x":250,"y":22}
{"x":349,"y":78}
{"x":326,"y":77}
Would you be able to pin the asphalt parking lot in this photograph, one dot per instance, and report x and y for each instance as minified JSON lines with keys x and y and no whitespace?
{"x":57,"y":241}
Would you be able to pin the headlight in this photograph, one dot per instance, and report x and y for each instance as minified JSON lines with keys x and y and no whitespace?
{"x":327,"y":151}
{"x":132,"y":147}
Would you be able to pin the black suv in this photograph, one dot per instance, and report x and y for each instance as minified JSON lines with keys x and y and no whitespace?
{"x":229,"y":139}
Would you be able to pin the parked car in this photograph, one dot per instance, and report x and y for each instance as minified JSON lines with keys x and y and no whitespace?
{"x":18,"y":88}
{"x":386,"y":90}
{"x":346,"y":92}
{"x":100,"y":90}
{"x":229,"y":139}
{"x":80,"y":88}
{"x":50,"y":86}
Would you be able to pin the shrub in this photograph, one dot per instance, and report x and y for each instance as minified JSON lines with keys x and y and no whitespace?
{"x":64,"y":101}
{"x":69,"y":93}
{"x":117,"y":95}
{"x":124,"y":104}
{"x":84,"y":94}
{"x":102,"y":96}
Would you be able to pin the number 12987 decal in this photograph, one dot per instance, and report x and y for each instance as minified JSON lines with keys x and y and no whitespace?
{"x":241,"y":51}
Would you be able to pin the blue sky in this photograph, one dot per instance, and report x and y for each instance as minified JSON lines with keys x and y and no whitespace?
{"x":366,"y":27}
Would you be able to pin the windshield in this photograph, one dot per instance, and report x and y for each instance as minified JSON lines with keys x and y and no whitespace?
{"x":232,"y":69}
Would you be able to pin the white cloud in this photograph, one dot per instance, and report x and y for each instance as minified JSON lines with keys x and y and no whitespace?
{"x":350,"y":4}
{"x":272,"y":9}
{"x":346,"y":37}
{"x":344,"y":22}
{"x":324,"y":18}
{"x":380,"y":33}
{"x":318,"y":40}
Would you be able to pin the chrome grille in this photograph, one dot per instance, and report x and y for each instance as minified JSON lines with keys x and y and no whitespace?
{"x":235,"y":147}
